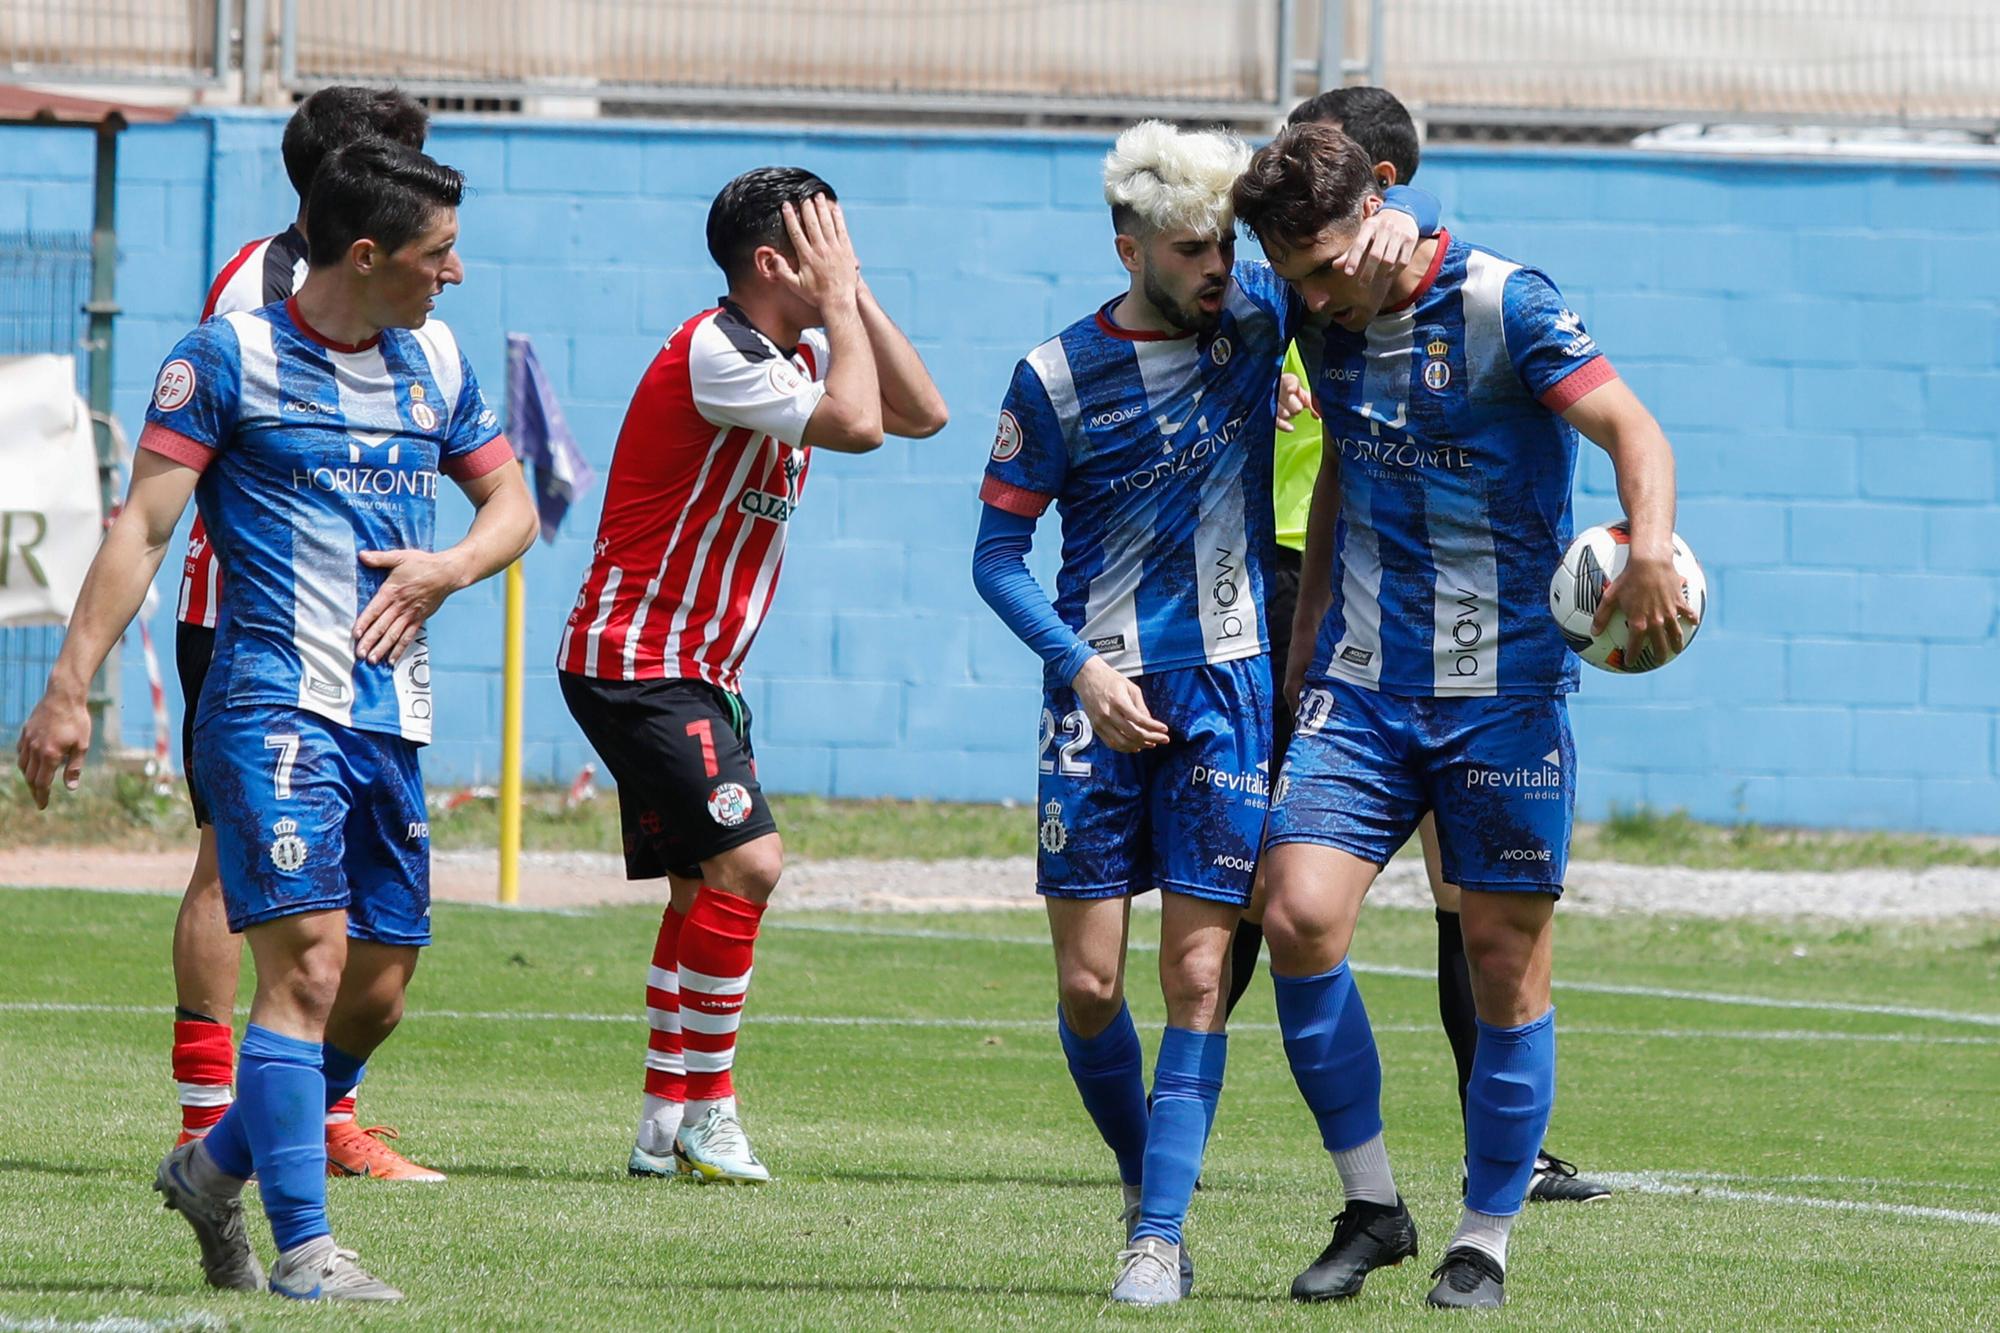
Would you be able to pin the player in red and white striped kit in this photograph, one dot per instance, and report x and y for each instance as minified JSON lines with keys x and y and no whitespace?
{"x":708,"y":470}
{"x":206,"y":955}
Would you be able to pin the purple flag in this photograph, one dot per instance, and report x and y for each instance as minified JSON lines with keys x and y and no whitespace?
{"x":541,"y":437}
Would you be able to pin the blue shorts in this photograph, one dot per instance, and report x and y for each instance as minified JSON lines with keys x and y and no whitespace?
{"x":1184,"y":816}
{"x":310,"y":815}
{"x":1499,"y":771}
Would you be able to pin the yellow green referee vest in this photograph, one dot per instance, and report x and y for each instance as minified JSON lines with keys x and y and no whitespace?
{"x":1294,"y":467}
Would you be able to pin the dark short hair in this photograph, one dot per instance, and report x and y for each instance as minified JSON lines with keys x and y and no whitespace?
{"x":378,"y":190}
{"x":748,"y":213}
{"x":1301,"y":183}
{"x":335,"y":117}
{"x":1375,"y":118}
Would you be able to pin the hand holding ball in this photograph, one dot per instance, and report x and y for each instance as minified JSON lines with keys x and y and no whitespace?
{"x":1595,"y":561}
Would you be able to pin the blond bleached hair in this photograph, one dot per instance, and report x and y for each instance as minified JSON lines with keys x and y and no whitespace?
{"x":1170,"y":178}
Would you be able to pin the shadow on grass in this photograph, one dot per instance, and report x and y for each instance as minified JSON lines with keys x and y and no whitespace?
{"x":599,"y":1175}
{"x":15,"y":1165}
{"x":835,"y":1286}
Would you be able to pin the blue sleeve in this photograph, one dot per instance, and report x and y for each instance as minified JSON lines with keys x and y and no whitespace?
{"x":1257,"y":280}
{"x":1421,"y":205}
{"x":1000,"y":572}
{"x":1557,"y":359}
{"x":199,"y":386}
{"x":1030,"y":456}
{"x":473,"y":422}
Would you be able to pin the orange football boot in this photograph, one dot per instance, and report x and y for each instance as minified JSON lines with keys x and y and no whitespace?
{"x":354,"y":1151}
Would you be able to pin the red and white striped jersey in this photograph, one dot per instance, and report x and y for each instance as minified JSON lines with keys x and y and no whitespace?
{"x":707,"y":472}
{"x":262,"y":272}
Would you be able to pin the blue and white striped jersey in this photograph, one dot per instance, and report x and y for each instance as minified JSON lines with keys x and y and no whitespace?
{"x":1455,"y":473}
{"x":312,"y":452}
{"x":1157,"y":450}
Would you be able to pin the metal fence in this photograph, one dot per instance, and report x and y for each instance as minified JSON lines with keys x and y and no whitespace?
{"x":184,"y":43}
{"x":1188,"y":57}
{"x":44,"y":280}
{"x":1921,"y":62}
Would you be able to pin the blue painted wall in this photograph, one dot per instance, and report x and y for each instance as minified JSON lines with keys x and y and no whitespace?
{"x":1822,"y":342}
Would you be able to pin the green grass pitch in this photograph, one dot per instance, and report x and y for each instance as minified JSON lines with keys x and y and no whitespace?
{"x":1804,"y":1163}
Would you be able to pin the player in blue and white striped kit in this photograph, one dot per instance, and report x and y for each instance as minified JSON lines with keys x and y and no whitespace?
{"x":1452,"y":396}
{"x":312,"y":433}
{"x":1149,"y":423}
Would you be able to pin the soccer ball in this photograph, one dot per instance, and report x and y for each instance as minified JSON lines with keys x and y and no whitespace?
{"x":1595,"y":558}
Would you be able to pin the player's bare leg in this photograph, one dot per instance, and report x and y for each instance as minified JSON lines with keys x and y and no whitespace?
{"x":1315,"y":898}
{"x":206,"y":960}
{"x":1510,"y":946}
{"x":369,"y":1006}
{"x":663,"y":1102}
{"x":715,"y":949}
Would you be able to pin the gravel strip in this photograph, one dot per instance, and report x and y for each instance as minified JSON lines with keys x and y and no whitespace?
{"x":579,"y":879}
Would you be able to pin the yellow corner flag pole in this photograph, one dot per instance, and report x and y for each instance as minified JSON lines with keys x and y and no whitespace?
{"x":510,"y":738}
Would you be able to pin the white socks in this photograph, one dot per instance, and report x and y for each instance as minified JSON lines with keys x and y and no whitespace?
{"x":1483,"y":1232}
{"x":659,"y":1121}
{"x":1364,"y":1173}
{"x":697,"y":1108}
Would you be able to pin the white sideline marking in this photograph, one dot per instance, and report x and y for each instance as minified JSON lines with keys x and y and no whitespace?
{"x":1042,"y":1024}
{"x":1425,"y":974}
{"x":1866,"y":1182}
{"x":1662,"y":1182}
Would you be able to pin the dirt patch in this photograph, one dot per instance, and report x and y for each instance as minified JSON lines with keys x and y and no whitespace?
{"x":554,"y":880}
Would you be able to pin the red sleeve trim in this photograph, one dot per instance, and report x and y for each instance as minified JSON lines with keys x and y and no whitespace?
{"x":1565,"y":392}
{"x":1014,"y":499}
{"x":472,"y":466}
{"x":156,"y":438}
{"x":222,"y":280}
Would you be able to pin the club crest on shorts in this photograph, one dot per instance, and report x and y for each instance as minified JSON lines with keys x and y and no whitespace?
{"x":1055,"y":833}
{"x":729,"y":804}
{"x":288,"y":849}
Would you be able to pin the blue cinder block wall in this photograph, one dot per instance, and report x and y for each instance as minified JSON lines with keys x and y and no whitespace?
{"x":1821,"y":341}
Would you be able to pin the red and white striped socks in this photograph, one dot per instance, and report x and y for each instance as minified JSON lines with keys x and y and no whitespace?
{"x":666,"y":1076}
{"x":714,"y":954}
{"x":204,"y":1061}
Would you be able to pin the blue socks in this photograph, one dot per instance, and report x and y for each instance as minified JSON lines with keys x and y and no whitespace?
{"x":1107,"y":1071}
{"x":1187,"y":1081}
{"x":343,"y":1072}
{"x":1507,"y":1108}
{"x":281,"y":1105}
{"x":1332,"y":1052}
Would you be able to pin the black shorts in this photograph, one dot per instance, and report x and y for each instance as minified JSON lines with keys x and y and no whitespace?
{"x":194,"y":646}
{"x":679,"y":751}
{"x":1281,"y":599}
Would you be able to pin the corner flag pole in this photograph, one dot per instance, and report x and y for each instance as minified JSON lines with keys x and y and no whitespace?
{"x":510,"y":739}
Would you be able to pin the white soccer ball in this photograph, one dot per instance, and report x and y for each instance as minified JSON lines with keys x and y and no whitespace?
{"x":1594,"y":559}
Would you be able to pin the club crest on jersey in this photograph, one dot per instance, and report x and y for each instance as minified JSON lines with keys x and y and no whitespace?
{"x":1219,"y":350}
{"x":729,"y":804}
{"x":175,"y":386}
{"x":288,"y":849}
{"x":1437,"y":371}
{"x":1007,"y":440}
{"x":785,"y":378}
{"x":422,"y":412}
{"x":1055,"y":833}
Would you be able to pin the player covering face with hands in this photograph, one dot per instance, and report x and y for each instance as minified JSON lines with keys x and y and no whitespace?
{"x":311,"y":434}
{"x":710,"y":465}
